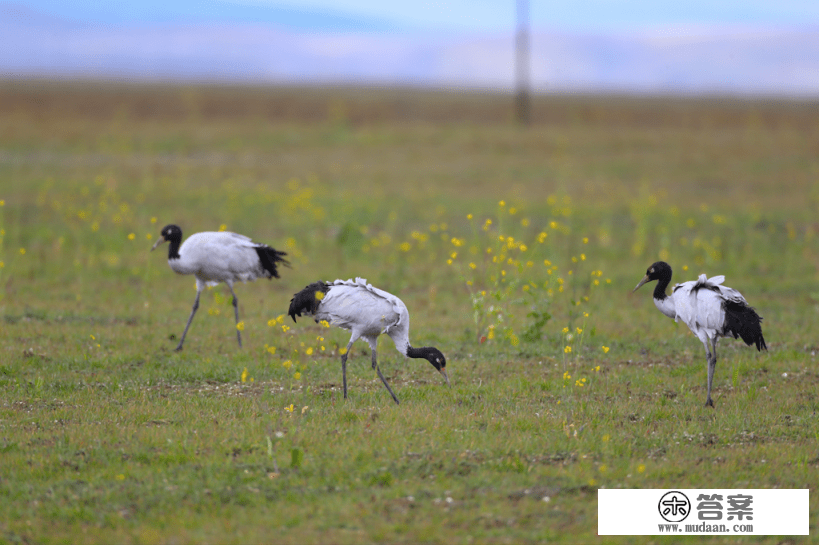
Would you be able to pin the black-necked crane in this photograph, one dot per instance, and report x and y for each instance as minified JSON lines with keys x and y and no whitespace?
{"x":214,"y":257}
{"x":367,"y":312}
{"x":709,"y":309}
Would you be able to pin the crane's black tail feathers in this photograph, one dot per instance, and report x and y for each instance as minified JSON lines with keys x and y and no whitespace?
{"x":742,"y":321}
{"x":308,"y":300}
{"x":269,"y":257}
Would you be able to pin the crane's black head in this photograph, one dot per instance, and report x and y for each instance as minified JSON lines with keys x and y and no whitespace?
{"x":436,"y":358}
{"x":657,"y":271}
{"x":169,"y":233}
{"x":433,"y":356}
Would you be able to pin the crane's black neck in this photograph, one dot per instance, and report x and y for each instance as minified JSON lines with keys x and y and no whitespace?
{"x":172,"y":234}
{"x":173,"y":247}
{"x":429,"y":353}
{"x":423,"y":352}
{"x":662,"y":285}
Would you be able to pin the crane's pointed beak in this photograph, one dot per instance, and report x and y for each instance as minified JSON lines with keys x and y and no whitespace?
{"x":157,"y":243}
{"x":643,"y":281}
{"x":443,"y":372}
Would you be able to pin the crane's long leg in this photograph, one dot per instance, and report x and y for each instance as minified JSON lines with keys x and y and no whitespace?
{"x":236,"y":312}
{"x":711,"y":354}
{"x":377,"y":370}
{"x":190,"y":319}
{"x":344,"y":367}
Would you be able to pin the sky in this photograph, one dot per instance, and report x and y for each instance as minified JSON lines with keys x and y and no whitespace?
{"x":587,"y":16}
{"x":768,"y":47}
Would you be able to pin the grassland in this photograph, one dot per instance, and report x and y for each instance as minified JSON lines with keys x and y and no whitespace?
{"x":515,"y":250}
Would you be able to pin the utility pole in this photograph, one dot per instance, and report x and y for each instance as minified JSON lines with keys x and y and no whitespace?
{"x":522,"y":99}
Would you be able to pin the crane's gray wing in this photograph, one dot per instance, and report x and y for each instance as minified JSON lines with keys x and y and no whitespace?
{"x":222,"y":256}
{"x":357,"y":306}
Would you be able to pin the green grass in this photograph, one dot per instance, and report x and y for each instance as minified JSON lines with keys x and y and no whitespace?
{"x":108,"y":435}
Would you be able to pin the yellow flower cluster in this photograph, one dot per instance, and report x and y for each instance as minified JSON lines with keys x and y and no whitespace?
{"x":277,"y":320}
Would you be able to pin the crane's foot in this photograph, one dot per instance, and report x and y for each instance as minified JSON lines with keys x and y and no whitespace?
{"x":709,"y":403}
